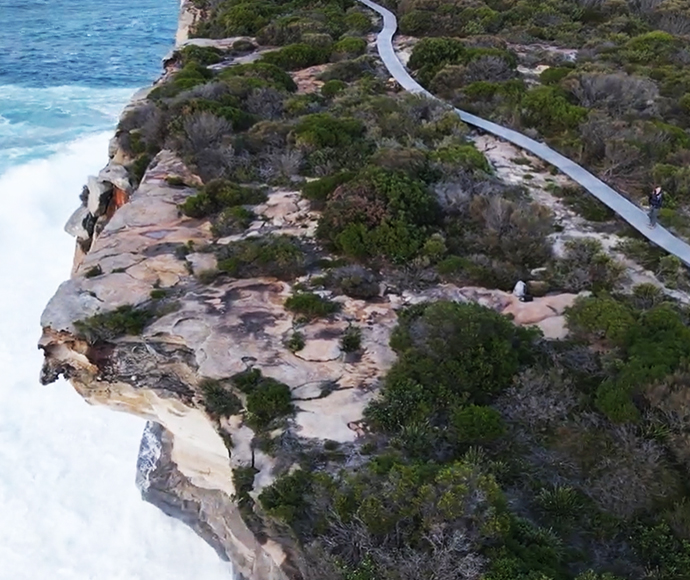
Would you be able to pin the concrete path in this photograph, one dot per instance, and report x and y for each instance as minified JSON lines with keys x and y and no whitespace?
{"x":632,"y":214}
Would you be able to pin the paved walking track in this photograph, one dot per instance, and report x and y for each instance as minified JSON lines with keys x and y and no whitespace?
{"x":632,"y":214}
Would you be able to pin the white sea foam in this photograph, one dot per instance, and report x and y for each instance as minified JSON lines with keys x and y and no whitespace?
{"x":69,"y":508}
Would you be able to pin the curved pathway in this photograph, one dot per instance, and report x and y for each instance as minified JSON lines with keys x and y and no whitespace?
{"x":624,"y":208}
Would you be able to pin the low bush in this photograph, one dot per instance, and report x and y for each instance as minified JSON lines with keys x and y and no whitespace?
{"x":267,"y":72}
{"x":203,"y":55}
{"x":379,"y":214}
{"x":285,"y":498}
{"x":219,"y":194}
{"x":355,"y":282}
{"x":349,"y":70}
{"x":324,"y":130}
{"x":296,"y":342}
{"x":191,"y":75}
{"x":349,"y":47}
{"x":310,"y":306}
{"x":547,"y":109}
{"x":297,"y":56}
{"x":106,"y":326}
{"x":475,"y":424}
{"x":231,"y":221}
{"x":585,"y":266}
{"x":351,"y":340}
{"x":449,"y":354}
{"x":268,"y":401}
{"x":331,"y":88}
{"x":358,"y":22}
{"x":318,"y":190}
{"x":218,"y":400}
{"x":267,"y":398}
{"x":598,"y":317}
{"x":275,"y":256}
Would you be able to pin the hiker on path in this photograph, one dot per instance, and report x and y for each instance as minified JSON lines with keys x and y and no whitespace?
{"x":656,"y":200}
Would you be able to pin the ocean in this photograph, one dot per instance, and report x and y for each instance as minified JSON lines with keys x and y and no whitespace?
{"x":69,"y":508}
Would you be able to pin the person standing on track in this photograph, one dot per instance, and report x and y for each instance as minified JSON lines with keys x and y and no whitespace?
{"x":656,"y":200}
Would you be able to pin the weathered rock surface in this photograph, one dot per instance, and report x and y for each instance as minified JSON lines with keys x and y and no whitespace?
{"x":215,"y":331}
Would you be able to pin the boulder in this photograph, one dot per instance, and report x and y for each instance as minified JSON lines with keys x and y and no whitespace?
{"x":528,"y":313}
{"x":117,"y":175}
{"x":75,"y":224}
{"x":99,"y":195}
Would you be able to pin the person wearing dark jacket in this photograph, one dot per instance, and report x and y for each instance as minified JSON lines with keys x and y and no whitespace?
{"x":656,"y":199}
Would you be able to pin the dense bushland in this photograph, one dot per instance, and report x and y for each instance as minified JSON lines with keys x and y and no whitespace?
{"x":619,"y":108}
{"x":498,"y":455}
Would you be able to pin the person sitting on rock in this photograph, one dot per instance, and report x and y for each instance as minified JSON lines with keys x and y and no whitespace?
{"x":656,"y":199}
{"x":521,"y":292}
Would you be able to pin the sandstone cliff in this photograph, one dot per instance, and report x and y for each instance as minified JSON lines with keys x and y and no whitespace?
{"x":136,"y":249}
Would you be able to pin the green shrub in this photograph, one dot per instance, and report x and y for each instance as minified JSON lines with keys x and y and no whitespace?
{"x":275,"y":256}
{"x":349,"y":70}
{"x":355,"y":282}
{"x":466,"y":156}
{"x":139,"y":166}
{"x":351,"y":340}
{"x":158,"y":294}
{"x":319,"y":189}
{"x":243,"y":45}
{"x":203,"y":55}
{"x":175,"y":181}
{"x":476,"y":424}
{"x":268,"y":401}
{"x":243,"y":480}
{"x":547,"y":109}
{"x":600,"y":317}
{"x":358,"y":22}
{"x":232,"y":220}
{"x":297,"y":56}
{"x":324,"y":130}
{"x":614,"y":401}
{"x":271,"y":74}
{"x":285,"y":498}
{"x":310,"y":306}
{"x":448,"y":353}
{"x":350,"y":47}
{"x":267,"y":398}
{"x":662,"y":551}
{"x":296,"y":342}
{"x":434,"y":52}
{"x":560,"y":502}
{"x":585,"y":266}
{"x":379,"y":214}
{"x":219,"y":194}
{"x":240,"y":18}
{"x":191,"y":75}
{"x":124,"y":320}
{"x":554,"y":74}
{"x":654,"y":47}
{"x":218,"y":400}
{"x":332,"y":88}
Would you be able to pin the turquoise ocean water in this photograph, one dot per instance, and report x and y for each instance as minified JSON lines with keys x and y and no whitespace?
{"x":70,"y":509}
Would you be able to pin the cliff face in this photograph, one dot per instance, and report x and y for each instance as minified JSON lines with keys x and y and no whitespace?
{"x":135,"y":249}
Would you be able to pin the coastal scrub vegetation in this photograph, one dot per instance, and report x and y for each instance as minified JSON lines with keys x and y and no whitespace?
{"x":612,"y":91}
{"x":500,"y":455}
{"x":126,"y":320}
{"x":491,"y":453}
